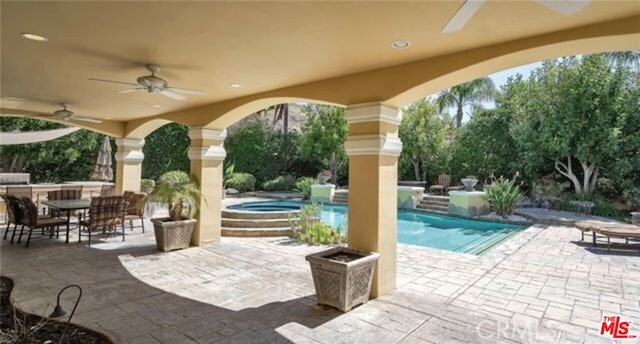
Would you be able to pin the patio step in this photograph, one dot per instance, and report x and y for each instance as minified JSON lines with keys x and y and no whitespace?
{"x":255,"y":223}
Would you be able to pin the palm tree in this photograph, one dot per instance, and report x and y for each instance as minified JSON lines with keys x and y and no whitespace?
{"x":469,"y":93}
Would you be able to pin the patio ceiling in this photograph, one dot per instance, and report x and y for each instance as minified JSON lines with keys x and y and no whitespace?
{"x":263,"y":46}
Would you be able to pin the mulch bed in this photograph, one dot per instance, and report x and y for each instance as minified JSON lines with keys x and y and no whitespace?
{"x":20,"y":327}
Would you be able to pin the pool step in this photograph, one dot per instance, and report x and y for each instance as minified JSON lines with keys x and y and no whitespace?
{"x":256,"y":232}
{"x":255,"y":223}
{"x":434,"y":207}
{"x":341,"y":196}
{"x":434,"y":203}
{"x":256,"y":215}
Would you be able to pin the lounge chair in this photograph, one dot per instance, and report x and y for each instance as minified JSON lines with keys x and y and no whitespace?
{"x":444,"y":180}
{"x":609,"y":230}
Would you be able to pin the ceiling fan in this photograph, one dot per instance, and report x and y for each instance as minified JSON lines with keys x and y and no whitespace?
{"x":66,"y":115}
{"x":63,"y":114}
{"x":470,"y":7}
{"x":153,"y":84}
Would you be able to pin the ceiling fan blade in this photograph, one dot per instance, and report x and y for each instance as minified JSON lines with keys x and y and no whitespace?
{"x":129,"y":90}
{"x":566,"y":7}
{"x":86,"y":119}
{"x":187,"y":91}
{"x":173,"y":95}
{"x":115,"y":82}
{"x":464,"y":13}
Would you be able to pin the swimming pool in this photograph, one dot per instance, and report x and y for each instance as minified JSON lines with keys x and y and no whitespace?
{"x":415,"y":228}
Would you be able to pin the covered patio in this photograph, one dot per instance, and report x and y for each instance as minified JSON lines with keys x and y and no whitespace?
{"x":540,"y":286}
{"x":371,"y":59}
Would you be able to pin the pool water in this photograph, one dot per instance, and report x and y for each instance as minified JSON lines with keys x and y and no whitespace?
{"x":416,"y":228}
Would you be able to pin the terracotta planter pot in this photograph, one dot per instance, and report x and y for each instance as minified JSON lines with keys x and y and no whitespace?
{"x":342,"y":276}
{"x":173,"y":235}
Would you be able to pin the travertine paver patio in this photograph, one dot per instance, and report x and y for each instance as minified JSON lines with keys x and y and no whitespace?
{"x":539,"y":286}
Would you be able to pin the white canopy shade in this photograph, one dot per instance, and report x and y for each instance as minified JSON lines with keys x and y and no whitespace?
{"x":18,"y":138}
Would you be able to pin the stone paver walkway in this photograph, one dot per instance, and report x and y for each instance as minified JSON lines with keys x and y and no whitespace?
{"x":539,"y":286}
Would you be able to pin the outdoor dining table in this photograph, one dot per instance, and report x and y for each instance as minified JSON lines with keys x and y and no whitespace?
{"x":69,"y":205}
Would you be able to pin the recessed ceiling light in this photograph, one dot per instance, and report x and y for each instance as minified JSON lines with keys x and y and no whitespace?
{"x":34,"y":37}
{"x":400,"y":44}
{"x":107,"y":118}
{"x":234,"y":85}
{"x":157,"y":106}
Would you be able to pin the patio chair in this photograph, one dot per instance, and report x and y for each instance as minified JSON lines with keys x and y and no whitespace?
{"x":64,"y":194}
{"x":444,"y":180}
{"x":13,"y":214}
{"x":72,"y":187}
{"x":105,"y":190}
{"x":135,"y":209}
{"x":23,"y":191}
{"x":105,"y":212}
{"x":31,"y":219}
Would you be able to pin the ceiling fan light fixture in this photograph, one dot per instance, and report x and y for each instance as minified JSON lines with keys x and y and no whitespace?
{"x":34,"y":37}
{"x":400,"y":44}
{"x":462,"y":16}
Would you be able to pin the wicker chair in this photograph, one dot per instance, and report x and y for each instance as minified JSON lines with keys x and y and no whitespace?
{"x":32,"y":220}
{"x":64,"y":194}
{"x":444,"y":180}
{"x":23,"y":191}
{"x":104,"y":212}
{"x":13,"y":214}
{"x":105,"y":190}
{"x":135,"y":209}
{"x":75,"y":187}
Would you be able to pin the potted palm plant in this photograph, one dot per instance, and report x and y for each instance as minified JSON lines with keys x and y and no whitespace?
{"x":181,"y":195}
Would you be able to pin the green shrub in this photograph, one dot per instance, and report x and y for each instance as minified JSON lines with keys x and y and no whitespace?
{"x":147,"y":185}
{"x":604,"y":208}
{"x":503,"y":195}
{"x":280,"y":183}
{"x":243,"y":182}
{"x":228,"y":172}
{"x":304,"y":185}
{"x":632,"y":197}
{"x":309,"y":229}
{"x":600,"y":206}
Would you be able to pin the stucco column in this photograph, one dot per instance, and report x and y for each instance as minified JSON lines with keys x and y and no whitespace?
{"x":373,"y":148}
{"x":129,"y":164}
{"x":207,"y":156}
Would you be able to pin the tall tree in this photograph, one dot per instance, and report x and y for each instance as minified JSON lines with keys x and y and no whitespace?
{"x":572,"y":111}
{"x":166,"y":149}
{"x":323,"y":136}
{"x":484,"y":147}
{"x":468,"y":94}
{"x":423,"y":137}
